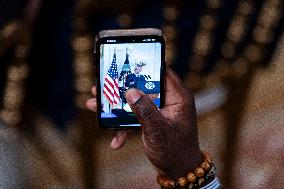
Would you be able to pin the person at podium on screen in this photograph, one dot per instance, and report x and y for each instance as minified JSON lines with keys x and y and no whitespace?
{"x":133,"y":78}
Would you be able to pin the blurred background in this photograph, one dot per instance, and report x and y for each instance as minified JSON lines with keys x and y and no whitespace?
{"x":230,"y":53}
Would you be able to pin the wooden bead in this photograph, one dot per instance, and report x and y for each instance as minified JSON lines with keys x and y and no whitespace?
{"x":191,"y":177}
{"x":160,"y":180}
{"x":205,"y":166}
{"x":192,"y":180}
{"x":191,"y":186}
{"x":199,"y":172}
{"x":182,"y":182}
{"x":200,"y":181}
{"x":168,"y":184}
{"x":206,"y":157}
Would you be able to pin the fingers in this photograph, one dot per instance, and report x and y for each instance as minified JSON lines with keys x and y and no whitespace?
{"x":178,"y":98}
{"x":175,"y":89}
{"x":175,"y":92}
{"x":91,"y":104}
{"x":118,"y":140}
{"x":94,"y":91}
{"x":120,"y":137}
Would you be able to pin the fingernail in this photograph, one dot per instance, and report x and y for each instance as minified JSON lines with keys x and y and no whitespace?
{"x":132,"y":95}
{"x":113,"y":143}
{"x":91,"y":104}
{"x":94,"y":90}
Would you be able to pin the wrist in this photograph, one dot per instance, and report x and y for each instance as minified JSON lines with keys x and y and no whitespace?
{"x":183,"y":164}
{"x":201,"y":176}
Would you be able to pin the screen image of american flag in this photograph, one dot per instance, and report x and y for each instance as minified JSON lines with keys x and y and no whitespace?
{"x":118,"y":72}
{"x":110,"y":89}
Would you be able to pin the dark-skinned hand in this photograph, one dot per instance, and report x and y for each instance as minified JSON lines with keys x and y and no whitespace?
{"x":170,"y":134}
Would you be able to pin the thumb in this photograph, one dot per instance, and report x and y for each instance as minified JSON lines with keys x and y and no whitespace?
{"x":146,"y":111}
{"x":142,"y":106}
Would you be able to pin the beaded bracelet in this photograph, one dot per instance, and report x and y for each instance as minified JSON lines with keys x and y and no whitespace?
{"x":201,"y":176}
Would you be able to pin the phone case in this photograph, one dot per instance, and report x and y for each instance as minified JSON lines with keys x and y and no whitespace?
{"x":127,"y":33}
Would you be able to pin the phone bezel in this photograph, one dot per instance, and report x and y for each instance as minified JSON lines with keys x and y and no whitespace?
{"x":127,"y":39}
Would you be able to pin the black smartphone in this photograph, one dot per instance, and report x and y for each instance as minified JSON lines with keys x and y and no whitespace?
{"x":132,"y":58}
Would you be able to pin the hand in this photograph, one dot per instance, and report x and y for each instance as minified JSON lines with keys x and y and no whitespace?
{"x":169,"y":134}
{"x":120,"y":136}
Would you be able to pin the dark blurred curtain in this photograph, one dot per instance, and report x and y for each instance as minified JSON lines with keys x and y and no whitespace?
{"x":50,"y":83}
{"x":150,"y":14}
{"x":9,"y":10}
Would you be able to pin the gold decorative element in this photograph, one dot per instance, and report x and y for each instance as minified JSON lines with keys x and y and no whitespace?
{"x":17,"y":71}
{"x":214,"y":4}
{"x":170,"y":14}
{"x":83,"y":45}
{"x":124,"y":20}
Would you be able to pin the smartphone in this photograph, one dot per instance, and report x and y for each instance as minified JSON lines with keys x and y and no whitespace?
{"x":132,"y":58}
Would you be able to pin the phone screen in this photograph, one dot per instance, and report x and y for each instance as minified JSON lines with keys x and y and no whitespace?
{"x":134,"y":62}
